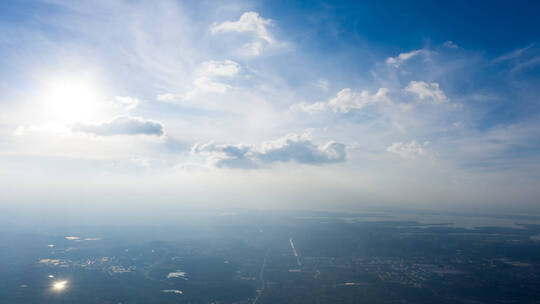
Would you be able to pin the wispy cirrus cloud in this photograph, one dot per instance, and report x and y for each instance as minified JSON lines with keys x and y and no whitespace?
{"x":408,"y":150}
{"x":225,"y":68}
{"x":205,"y":85}
{"x":403,"y":57}
{"x":209,"y":80}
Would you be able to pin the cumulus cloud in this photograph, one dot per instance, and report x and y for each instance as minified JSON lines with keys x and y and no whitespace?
{"x":249,"y":22}
{"x":232,"y":156}
{"x":301,"y":149}
{"x":403,"y":57}
{"x":426,"y":91}
{"x":408,"y":150}
{"x":345,"y":100}
{"x":297,"y":148}
{"x":123,"y":125}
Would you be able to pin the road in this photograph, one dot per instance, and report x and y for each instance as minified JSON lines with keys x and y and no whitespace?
{"x":261,"y":278}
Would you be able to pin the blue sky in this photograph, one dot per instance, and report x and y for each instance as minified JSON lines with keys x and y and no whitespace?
{"x":271,"y":104}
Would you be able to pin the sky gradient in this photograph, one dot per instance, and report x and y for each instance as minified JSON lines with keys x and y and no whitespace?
{"x":269,"y":104}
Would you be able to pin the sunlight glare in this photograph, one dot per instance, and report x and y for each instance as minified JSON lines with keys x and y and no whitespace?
{"x":59,"y":285}
{"x":71,"y":99}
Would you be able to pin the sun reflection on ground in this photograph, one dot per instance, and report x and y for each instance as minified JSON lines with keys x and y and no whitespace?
{"x":59,"y":285}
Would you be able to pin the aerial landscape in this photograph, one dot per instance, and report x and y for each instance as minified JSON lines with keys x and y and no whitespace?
{"x":258,"y":152}
{"x":277,"y":257}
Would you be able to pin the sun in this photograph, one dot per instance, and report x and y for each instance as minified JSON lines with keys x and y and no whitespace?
{"x":69,"y":99}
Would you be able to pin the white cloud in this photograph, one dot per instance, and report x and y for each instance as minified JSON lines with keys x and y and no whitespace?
{"x":249,"y":22}
{"x":50,"y":128}
{"x":253,"y":23}
{"x":226,"y":68}
{"x":298,"y":148}
{"x":166,"y":97}
{"x":408,"y":150}
{"x":345,"y":100}
{"x":450,"y":44}
{"x":514,"y":54}
{"x":127,"y":101}
{"x":206,"y":85}
{"x":401,"y":58}
{"x":301,"y":149}
{"x":323,"y":85}
{"x":232,"y":156}
{"x":123,"y":125}
{"x":252,"y":49}
{"x":426,"y":91}
{"x":206,"y":82}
